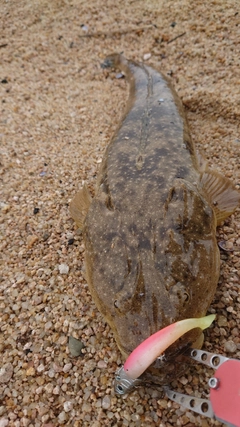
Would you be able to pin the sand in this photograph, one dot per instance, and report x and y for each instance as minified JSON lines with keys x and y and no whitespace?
{"x":59,"y":109}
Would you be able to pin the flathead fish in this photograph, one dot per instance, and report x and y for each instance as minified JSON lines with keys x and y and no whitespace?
{"x":150,"y":247}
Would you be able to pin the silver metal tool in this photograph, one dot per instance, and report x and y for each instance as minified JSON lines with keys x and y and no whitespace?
{"x":224,"y":403}
{"x":224,"y":400}
{"x":123,"y":383}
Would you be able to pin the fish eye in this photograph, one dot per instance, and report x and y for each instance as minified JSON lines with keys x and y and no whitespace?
{"x":186,"y":297}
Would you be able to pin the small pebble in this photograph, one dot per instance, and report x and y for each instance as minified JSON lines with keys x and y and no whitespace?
{"x":162,"y":403}
{"x":4,"y":422}
{"x":230,"y":346}
{"x":86,"y":407}
{"x":84,"y":27}
{"x":68,"y":406}
{"x":106,"y":402}
{"x":49,"y":388}
{"x":119,"y":75}
{"x":30,"y":372}
{"x":75,"y":346}
{"x":25,"y":421}
{"x":42,"y":409}
{"x":39,"y":390}
{"x":101,"y":364}
{"x":6,"y":373}
{"x":184,"y":420}
{"x":183,"y":380}
{"x":146,"y":56}
{"x":67,"y":367}
{"x":56,"y":390}
{"x":62,"y":417}
{"x":48,"y":326}
{"x":63,"y":268}
{"x":45,"y":236}
{"x":51,"y":373}
{"x":31,"y":239}
{"x":40,"y":368}
{"x":4,"y":207}
{"x":222,"y":321}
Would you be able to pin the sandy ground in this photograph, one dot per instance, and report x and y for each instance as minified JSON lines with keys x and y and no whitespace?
{"x":58,"y":112}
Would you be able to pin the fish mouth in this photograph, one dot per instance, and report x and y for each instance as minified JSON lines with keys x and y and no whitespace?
{"x":169,"y":366}
{"x":163,"y":370}
{"x":172,"y":363}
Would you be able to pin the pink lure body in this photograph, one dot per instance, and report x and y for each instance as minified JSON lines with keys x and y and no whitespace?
{"x":145,"y":354}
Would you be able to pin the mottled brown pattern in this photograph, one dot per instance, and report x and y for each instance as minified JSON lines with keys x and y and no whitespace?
{"x":151,"y":251}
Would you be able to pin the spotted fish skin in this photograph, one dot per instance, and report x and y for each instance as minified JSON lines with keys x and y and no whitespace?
{"x":150,"y":233}
{"x":151,"y":252}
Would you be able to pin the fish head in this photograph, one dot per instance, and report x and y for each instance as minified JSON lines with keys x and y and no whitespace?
{"x":147,"y":273}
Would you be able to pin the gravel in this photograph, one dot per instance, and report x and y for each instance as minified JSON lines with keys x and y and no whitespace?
{"x":59,"y":109}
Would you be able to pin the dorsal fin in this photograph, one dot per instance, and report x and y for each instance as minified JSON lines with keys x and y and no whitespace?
{"x":221,"y":193}
{"x":79,"y":205}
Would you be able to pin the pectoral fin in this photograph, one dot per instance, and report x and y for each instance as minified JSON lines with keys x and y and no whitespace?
{"x":79,"y":206}
{"x":221,"y":193}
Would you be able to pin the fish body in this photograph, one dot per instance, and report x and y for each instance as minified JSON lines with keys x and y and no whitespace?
{"x":150,"y":248}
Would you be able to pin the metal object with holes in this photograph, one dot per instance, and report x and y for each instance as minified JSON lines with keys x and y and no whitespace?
{"x":210,"y":359}
{"x":224,"y":403}
{"x":201,"y":406}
